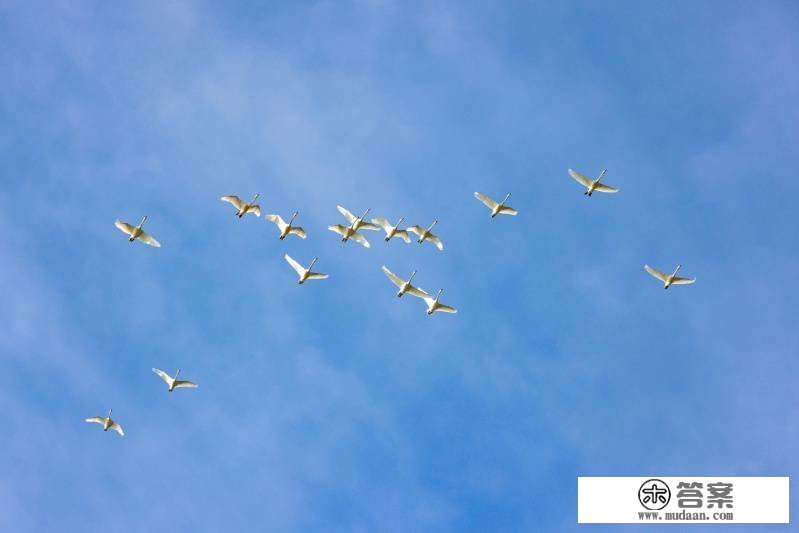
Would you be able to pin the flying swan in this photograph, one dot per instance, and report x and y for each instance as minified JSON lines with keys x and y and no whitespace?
{"x":347,"y":233}
{"x":243,"y":208}
{"x":392,"y":231}
{"x":434,"y":305}
{"x":285,"y":227}
{"x":669,"y":279}
{"x":496,"y":208}
{"x":357,"y":223}
{"x":174,"y":383}
{"x":405,"y":286}
{"x":302,"y":272}
{"x":137,"y":233}
{"x":107,"y":423}
{"x":427,"y":235}
{"x":592,"y":185}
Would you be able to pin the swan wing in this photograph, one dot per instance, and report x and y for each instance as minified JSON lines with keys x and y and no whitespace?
{"x":416,"y":291}
{"x":418,"y":230}
{"x":580,"y":178}
{"x":683,"y":281}
{"x":369,"y":226}
{"x":146,"y":238}
{"x":655,"y":273}
{"x":278,"y":220}
{"x":124,"y":227}
{"x":255,"y":209}
{"x":298,"y":268}
{"x":505,"y":210}
{"x":298,"y":231}
{"x":601,"y":187}
{"x":116,"y":427}
{"x":402,"y":234}
{"x":235,"y":200}
{"x":184,"y":384}
{"x":317,"y":275}
{"x":435,"y":240}
{"x":360,"y":239}
{"x":395,"y":279}
{"x":487,"y":201}
{"x":163,"y":375}
{"x":446,"y":309}
{"x":97,"y":420}
{"x":349,"y":216}
{"x":338,"y":228}
{"x":383,"y":223}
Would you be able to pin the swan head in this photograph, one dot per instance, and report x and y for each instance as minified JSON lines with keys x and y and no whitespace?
{"x":506,"y":198}
{"x":400,"y":221}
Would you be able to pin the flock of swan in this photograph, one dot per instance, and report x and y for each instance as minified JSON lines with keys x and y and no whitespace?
{"x":352,"y":231}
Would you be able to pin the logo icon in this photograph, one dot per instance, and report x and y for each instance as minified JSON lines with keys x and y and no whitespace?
{"x":654,"y":494}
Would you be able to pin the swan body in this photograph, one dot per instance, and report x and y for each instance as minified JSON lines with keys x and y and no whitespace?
{"x":174,"y":383}
{"x":357,"y":223}
{"x":285,"y":227}
{"x":497,"y":208}
{"x":427,"y":235}
{"x":242,"y":208}
{"x":347,"y":233}
{"x":592,"y":185}
{"x":405,"y":286}
{"x":302,"y":272}
{"x":392,"y":231}
{"x":136,"y":232}
{"x":107,"y":422}
{"x":669,"y":279}
{"x":433,"y":304}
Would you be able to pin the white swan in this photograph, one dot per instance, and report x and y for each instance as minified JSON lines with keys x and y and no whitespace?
{"x":496,"y":208}
{"x":174,"y":383}
{"x":433,"y":305}
{"x":405,"y":286}
{"x":592,"y":185}
{"x":392,"y":231}
{"x":135,"y":232}
{"x":242,"y":208}
{"x":302,"y":272}
{"x":427,"y":235}
{"x":669,"y":279}
{"x":285,"y":227}
{"x":107,"y":423}
{"x":357,"y":223}
{"x":347,"y":233}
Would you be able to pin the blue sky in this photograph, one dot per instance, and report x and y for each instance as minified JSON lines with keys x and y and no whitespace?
{"x":335,"y":406}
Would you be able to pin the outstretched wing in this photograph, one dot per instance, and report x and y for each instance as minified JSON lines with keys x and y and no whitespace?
{"x":295,"y":265}
{"x":349,"y":216}
{"x":184,"y":384}
{"x":360,"y":239}
{"x":402,"y":234}
{"x":255,"y":209}
{"x":298,"y":231}
{"x":125,"y":227}
{"x":395,"y":279}
{"x":601,"y":187}
{"x":278,"y":220}
{"x":416,"y":291}
{"x":235,"y":200}
{"x":369,"y":226}
{"x":338,"y":228}
{"x":505,"y":210}
{"x":580,"y":178}
{"x":163,"y":375}
{"x":683,"y":281}
{"x":97,"y":420}
{"x":446,"y":309}
{"x":435,"y":240}
{"x":317,"y":275}
{"x":655,"y":273}
{"x":488,"y":202}
{"x":146,"y":238}
{"x":418,"y":230}
{"x":383,"y":223}
{"x":116,"y":427}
